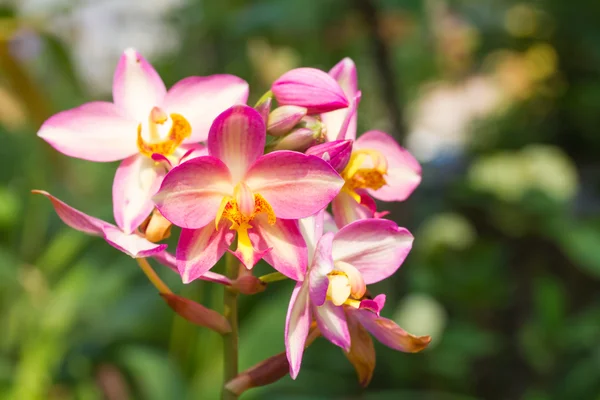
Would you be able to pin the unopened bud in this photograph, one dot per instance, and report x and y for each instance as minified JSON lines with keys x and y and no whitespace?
{"x":310,"y":131}
{"x":197,"y":313}
{"x":156,"y":227}
{"x":263,"y":106}
{"x":283,"y":119}
{"x":336,"y":153}
{"x":249,"y":284}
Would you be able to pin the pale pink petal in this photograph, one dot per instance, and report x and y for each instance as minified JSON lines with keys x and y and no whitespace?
{"x":346,"y":209}
{"x":310,"y":88}
{"x":75,"y":218}
{"x":345,"y":75}
{"x":341,"y":124}
{"x":192,"y":192}
{"x":95,"y":131}
{"x":376,"y":247}
{"x":322,"y":264}
{"x":201,"y":98}
{"x":132,"y":245}
{"x":136,"y":181}
{"x":169,"y":260}
{"x":404,"y":172}
{"x":137,"y":87}
{"x":199,"y":250}
{"x":294,"y":184}
{"x":389,"y":333}
{"x":331,"y":321}
{"x":288,"y":253}
{"x":336,"y":153}
{"x":297,"y":324}
{"x":237,"y":137}
{"x":312,"y":230}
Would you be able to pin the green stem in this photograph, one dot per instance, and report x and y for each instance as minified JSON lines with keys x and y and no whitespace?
{"x":273,"y":277}
{"x":230,"y":340}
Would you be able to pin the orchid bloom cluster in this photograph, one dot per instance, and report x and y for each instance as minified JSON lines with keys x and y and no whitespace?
{"x":253,"y":183}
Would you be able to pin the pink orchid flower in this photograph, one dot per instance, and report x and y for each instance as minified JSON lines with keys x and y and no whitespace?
{"x":332,"y":290}
{"x":237,"y":189}
{"x":143,"y":121}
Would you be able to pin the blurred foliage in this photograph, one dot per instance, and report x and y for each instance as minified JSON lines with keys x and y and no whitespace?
{"x":498,"y":99}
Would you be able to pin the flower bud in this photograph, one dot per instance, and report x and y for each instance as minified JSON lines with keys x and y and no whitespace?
{"x":336,"y":153}
{"x":249,"y":284}
{"x":310,"y":88}
{"x":197,"y":313}
{"x":263,"y":106}
{"x":310,"y":131}
{"x":156,"y":227}
{"x":283,"y":119}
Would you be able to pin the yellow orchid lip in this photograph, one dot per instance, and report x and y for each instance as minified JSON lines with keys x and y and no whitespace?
{"x":179,"y":130}
{"x":365,"y":170}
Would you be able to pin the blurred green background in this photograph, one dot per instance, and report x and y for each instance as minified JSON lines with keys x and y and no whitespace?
{"x":499,"y":100}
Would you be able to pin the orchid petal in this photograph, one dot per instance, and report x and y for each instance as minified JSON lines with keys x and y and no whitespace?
{"x":331,"y":321}
{"x":192,"y":150}
{"x":312,"y":230}
{"x":337,"y":152}
{"x":375,"y":305}
{"x":131,"y":244}
{"x":345,"y":75}
{"x":137,"y":87}
{"x":75,"y":218}
{"x":136,"y":181}
{"x":322,"y":264}
{"x":281,"y":176}
{"x":376,"y":247}
{"x":199,"y":250}
{"x":95,"y":131}
{"x":389,"y":333}
{"x":310,"y":88}
{"x":297,"y":325}
{"x":192,"y":192}
{"x":341,"y":124}
{"x":288,"y":253}
{"x":404,"y":172}
{"x":237,"y":137}
{"x":362,"y":350}
{"x":346,"y":209}
{"x":169,"y":260}
{"x":201,"y":98}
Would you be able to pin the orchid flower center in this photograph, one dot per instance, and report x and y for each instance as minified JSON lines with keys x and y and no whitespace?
{"x":241,"y":209}
{"x":163,"y":133}
{"x":365,"y":170}
{"x":346,"y":284}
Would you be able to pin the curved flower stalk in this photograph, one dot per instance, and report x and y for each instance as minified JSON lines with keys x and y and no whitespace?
{"x":238,"y":190}
{"x":144,"y":124}
{"x":333,"y":289}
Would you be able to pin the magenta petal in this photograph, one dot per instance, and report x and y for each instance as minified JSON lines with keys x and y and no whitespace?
{"x":199,"y":250}
{"x":336,"y":153}
{"x":192,"y":150}
{"x":136,"y":181}
{"x":192,"y":192}
{"x":75,"y":218}
{"x":332,"y":323}
{"x":375,"y":305}
{"x":95,"y":131}
{"x":282,"y":175}
{"x":346,"y":210}
{"x":322,"y":264}
{"x":237,"y":137}
{"x":297,"y":324}
{"x":201,"y":98}
{"x":288,"y":253}
{"x":137,"y":87}
{"x":376,"y":247}
{"x":132,"y":245}
{"x":404,"y":172}
{"x":310,"y":88}
{"x":168,"y":260}
{"x":389,"y":333}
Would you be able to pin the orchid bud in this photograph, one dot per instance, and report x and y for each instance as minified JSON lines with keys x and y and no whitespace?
{"x":310,"y":88}
{"x":156,"y":227}
{"x":197,"y":313}
{"x":283,"y":119}
{"x":248,"y":285}
{"x":336,"y":153}
{"x":310,"y":131}
{"x":263,"y":106}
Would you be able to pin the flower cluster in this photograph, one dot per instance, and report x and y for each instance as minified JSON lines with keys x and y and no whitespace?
{"x":259,"y":180}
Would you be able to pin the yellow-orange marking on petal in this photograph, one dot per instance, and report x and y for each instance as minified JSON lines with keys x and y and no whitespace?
{"x":179,"y":131}
{"x":365,"y":170}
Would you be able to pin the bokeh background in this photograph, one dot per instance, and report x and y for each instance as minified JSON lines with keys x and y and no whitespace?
{"x":499,"y":100}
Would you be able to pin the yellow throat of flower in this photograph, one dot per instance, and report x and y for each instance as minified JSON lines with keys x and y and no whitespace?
{"x":163,"y":134}
{"x":365,"y":170}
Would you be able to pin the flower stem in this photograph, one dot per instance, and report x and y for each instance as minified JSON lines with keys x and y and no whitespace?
{"x":230,"y":340}
{"x":153,"y":277}
{"x":273,"y":277}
